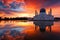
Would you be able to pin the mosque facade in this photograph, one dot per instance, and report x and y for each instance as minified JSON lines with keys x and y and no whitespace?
{"x":43,"y":15}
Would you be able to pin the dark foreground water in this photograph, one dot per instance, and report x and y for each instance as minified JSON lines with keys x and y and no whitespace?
{"x":29,"y":30}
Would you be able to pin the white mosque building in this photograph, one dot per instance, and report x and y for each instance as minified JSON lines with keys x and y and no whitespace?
{"x":43,"y":15}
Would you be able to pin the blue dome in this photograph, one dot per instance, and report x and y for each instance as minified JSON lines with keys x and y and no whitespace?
{"x":42,"y":10}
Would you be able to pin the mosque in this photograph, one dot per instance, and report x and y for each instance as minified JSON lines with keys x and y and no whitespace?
{"x":43,"y":15}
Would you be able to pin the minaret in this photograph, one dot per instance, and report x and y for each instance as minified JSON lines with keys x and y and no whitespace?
{"x":50,"y":12}
{"x":36,"y":13}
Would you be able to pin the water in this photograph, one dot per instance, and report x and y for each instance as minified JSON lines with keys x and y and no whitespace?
{"x":29,"y":30}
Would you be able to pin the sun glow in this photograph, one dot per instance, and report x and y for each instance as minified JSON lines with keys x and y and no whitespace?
{"x":25,"y":15}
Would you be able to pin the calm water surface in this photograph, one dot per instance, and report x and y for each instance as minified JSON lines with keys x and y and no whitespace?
{"x":29,"y":30}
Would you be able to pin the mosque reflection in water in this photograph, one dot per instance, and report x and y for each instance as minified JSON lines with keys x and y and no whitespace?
{"x":29,"y":30}
{"x":43,"y":24}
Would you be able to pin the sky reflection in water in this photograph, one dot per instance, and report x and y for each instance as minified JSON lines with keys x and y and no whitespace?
{"x":29,"y":30}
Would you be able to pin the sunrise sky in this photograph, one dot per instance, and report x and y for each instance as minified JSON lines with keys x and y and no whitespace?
{"x":26,"y":8}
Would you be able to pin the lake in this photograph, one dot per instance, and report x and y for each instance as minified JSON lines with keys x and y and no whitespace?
{"x":29,"y":30}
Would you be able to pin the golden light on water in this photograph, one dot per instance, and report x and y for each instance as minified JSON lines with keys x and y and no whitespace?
{"x":28,"y":28}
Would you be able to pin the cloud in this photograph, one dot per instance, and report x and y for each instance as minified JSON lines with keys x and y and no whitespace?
{"x":49,"y":3}
{"x":17,"y":6}
{"x":12,"y":7}
{"x":44,"y":3}
{"x":2,"y":5}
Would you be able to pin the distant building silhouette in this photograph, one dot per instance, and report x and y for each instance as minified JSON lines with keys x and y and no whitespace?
{"x":43,"y":15}
{"x":0,"y":18}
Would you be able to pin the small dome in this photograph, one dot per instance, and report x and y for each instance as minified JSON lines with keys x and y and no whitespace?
{"x":42,"y":10}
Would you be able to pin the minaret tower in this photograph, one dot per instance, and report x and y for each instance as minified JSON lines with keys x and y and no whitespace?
{"x":36,"y":13}
{"x":50,"y":12}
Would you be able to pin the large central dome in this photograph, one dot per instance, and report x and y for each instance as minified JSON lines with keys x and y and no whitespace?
{"x":42,"y":10}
